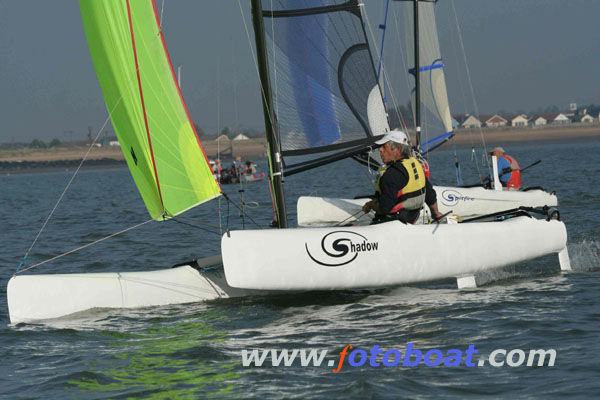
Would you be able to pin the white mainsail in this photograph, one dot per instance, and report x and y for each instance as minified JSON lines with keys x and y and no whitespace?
{"x":434,"y":97}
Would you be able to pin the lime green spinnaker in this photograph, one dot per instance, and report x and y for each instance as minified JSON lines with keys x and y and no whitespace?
{"x":151,"y":121}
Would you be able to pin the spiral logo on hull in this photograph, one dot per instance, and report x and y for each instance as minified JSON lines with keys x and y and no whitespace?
{"x":339,"y":248}
{"x":452,"y":197}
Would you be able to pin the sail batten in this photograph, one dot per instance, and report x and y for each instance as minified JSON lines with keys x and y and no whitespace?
{"x":157,"y":136}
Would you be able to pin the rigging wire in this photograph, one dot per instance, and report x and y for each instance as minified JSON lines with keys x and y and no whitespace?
{"x":229,"y":201}
{"x":262,"y":89}
{"x":179,"y":220}
{"x":160,"y":24}
{"x":276,"y":94}
{"x":218,"y":160}
{"x":402,"y":60}
{"x":241,"y":192}
{"x":91,"y":146}
{"x":235,"y":102}
{"x":270,"y":113}
{"x":82,"y":247}
{"x":471,"y":88}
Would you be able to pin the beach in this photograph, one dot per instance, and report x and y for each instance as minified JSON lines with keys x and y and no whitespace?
{"x":37,"y":160}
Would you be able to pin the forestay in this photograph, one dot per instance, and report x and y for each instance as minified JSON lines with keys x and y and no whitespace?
{"x":326,"y":97}
{"x":161,"y":147}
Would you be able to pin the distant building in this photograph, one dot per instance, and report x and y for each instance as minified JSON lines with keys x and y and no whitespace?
{"x":222,"y":138}
{"x":494,"y":121}
{"x":587,"y":119}
{"x":467,"y":121}
{"x":241,"y":136}
{"x":556,"y":118}
{"x":538,"y":120}
{"x":561,"y":119}
{"x":110,"y":141}
{"x":519,"y":120}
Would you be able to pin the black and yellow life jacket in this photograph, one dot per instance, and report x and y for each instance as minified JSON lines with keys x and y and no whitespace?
{"x":411,"y":196}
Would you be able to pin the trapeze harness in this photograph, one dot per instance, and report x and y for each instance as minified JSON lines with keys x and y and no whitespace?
{"x":515,"y":174}
{"x":411,"y":197}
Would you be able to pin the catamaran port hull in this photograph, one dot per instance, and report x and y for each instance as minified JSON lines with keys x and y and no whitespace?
{"x":383,"y":255}
{"x":39,"y":297}
{"x":465,"y":202}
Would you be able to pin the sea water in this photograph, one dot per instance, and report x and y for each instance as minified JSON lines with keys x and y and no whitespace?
{"x":194,"y":350}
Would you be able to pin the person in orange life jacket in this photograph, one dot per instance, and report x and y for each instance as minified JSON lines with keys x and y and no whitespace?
{"x":402,"y":187}
{"x":508,"y":170}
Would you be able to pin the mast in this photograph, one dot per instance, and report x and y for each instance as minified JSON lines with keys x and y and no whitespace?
{"x":275,"y":159}
{"x":417,"y":73}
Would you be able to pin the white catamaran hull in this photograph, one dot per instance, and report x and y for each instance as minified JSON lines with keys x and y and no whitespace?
{"x":465,"y":202}
{"x":382,"y":255}
{"x":38,"y":297}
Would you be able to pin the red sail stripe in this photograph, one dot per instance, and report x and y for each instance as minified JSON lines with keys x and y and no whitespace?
{"x":137,"y":70}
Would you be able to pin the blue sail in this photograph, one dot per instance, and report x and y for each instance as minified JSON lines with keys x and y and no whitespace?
{"x":323,"y":81}
{"x":309,"y":78}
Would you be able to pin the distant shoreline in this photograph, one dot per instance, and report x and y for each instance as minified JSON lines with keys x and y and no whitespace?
{"x":499,"y":136}
{"x":65,"y":158}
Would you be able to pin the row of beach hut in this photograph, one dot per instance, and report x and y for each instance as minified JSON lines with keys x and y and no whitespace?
{"x":521,"y":120}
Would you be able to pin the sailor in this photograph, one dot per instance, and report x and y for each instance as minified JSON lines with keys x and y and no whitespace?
{"x":250,"y":168}
{"x":508,"y":169}
{"x":401,"y":187}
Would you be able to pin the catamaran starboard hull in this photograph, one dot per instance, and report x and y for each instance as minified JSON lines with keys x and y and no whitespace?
{"x":382,"y":255}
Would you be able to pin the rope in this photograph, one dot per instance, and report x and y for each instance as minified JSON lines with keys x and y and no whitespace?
{"x":182,"y":221}
{"x":82,"y":247}
{"x":240,"y":209}
{"x":353,"y":215}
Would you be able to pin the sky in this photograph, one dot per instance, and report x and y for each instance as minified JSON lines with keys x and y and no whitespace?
{"x":522,"y":55}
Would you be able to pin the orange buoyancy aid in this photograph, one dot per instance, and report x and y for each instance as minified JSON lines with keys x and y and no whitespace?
{"x":515,"y":176}
{"x":412,"y":195}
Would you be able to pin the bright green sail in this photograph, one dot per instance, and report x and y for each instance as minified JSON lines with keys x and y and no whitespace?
{"x":161,"y":147}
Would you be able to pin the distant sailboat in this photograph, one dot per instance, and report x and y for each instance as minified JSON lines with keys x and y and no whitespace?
{"x":429,"y":98}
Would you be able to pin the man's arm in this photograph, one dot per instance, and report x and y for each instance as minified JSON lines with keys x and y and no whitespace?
{"x":504,"y":165}
{"x":431,"y":199}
